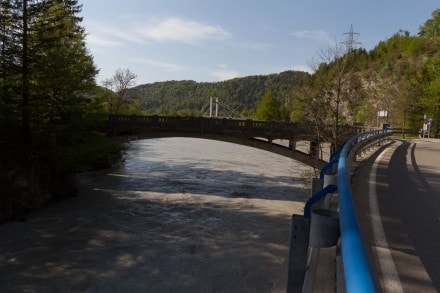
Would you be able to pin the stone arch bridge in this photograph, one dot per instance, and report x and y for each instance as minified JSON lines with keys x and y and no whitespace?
{"x":277,"y":137}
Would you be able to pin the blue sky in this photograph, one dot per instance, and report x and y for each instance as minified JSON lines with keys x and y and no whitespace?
{"x":214,"y":40}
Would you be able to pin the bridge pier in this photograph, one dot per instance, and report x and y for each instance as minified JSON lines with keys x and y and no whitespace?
{"x":292,"y":144}
{"x":333,"y":148}
{"x":314,"y":149}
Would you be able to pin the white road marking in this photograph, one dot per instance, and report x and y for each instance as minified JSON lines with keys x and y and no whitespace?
{"x":391,"y":280}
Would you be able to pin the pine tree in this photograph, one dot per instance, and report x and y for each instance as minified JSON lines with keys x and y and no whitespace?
{"x":64,"y":72}
{"x":9,"y":65}
{"x":268,"y":108}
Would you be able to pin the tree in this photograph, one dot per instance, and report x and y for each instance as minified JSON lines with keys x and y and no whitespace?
{"x":119,"y":83}
{"x":430,"y":99}
{"x":45,"y":67}
{"x":63,"y":69}
{"x":25,"y":117}
{"x":333,"y":91}
{"x":47,"y":80}
{"x":268,"y":108}
{"x":431,"y":28}
{"x":9,"y":64}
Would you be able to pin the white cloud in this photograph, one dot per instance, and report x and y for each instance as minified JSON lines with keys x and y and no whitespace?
{"x":165,"y":30}
{"x":100,"y":41}
{"x":184,"y":31}
{"x":170,"y":67}
{"x":105,"y":35}
{"x":224,"y":73}
{"x":318,"y":35}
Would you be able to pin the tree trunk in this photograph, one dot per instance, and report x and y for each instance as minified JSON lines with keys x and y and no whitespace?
{"x":25,"y":118}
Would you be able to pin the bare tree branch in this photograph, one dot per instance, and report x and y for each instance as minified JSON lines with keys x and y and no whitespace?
{"x":119,"y":83}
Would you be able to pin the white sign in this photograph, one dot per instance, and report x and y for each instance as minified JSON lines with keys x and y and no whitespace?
{"x":382,"y":114}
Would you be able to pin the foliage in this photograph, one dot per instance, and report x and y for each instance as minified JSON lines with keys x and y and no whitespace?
{"x":269,"y":108}
{"x":95,"y":153}
{"x":49,"y":104}
{"x":399,"y":80}
{"x":431,"y":28}
{"x":334,"y":92}
{"x":46,"y":68}
{"x":430,"y":93}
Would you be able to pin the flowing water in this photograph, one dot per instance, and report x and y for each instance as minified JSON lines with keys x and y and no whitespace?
{"x":181,"y":215}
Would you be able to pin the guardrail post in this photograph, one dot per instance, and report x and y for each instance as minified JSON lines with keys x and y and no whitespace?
{"x":299,"y":246}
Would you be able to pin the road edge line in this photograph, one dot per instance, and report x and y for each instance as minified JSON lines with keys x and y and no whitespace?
{"x":391,"y":280}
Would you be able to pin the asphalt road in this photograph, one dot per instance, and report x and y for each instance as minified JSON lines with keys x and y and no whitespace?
{"x":397,"y":193}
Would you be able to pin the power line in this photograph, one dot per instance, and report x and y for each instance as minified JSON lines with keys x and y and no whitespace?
{"x":351,"y":43}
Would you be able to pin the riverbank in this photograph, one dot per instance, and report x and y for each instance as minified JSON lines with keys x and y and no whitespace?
{"x":33,"y":176}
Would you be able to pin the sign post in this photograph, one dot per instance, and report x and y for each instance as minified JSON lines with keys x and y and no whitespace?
{"x":381,"y":114}
{"x":426,"y":126}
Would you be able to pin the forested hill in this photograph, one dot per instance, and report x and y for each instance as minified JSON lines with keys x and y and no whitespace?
{"x":190,"y":97}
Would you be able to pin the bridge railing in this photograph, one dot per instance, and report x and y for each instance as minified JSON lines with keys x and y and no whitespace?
{"x":177,"y":120}
{"x":251,"y":128}
{"x":357,"y":269}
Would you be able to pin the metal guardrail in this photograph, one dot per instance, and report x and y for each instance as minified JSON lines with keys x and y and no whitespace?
{"x":358,"y":273}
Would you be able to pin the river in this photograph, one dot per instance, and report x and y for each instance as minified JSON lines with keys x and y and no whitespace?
{"x":181,"y":215}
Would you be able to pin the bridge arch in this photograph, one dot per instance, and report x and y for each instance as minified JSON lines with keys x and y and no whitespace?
{"x":256,"y":134}
{"x":258,"y":143}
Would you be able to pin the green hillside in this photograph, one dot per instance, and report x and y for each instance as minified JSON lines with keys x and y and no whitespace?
{"x":242,"y":94}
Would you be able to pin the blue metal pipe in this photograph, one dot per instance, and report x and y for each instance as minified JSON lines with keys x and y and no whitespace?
{"x":358,"y":273}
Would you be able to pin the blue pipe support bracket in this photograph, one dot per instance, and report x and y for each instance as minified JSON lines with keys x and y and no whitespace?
{"x":317,"y":196}
{"x":327,"y":166}
{"x":336,"y":153}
